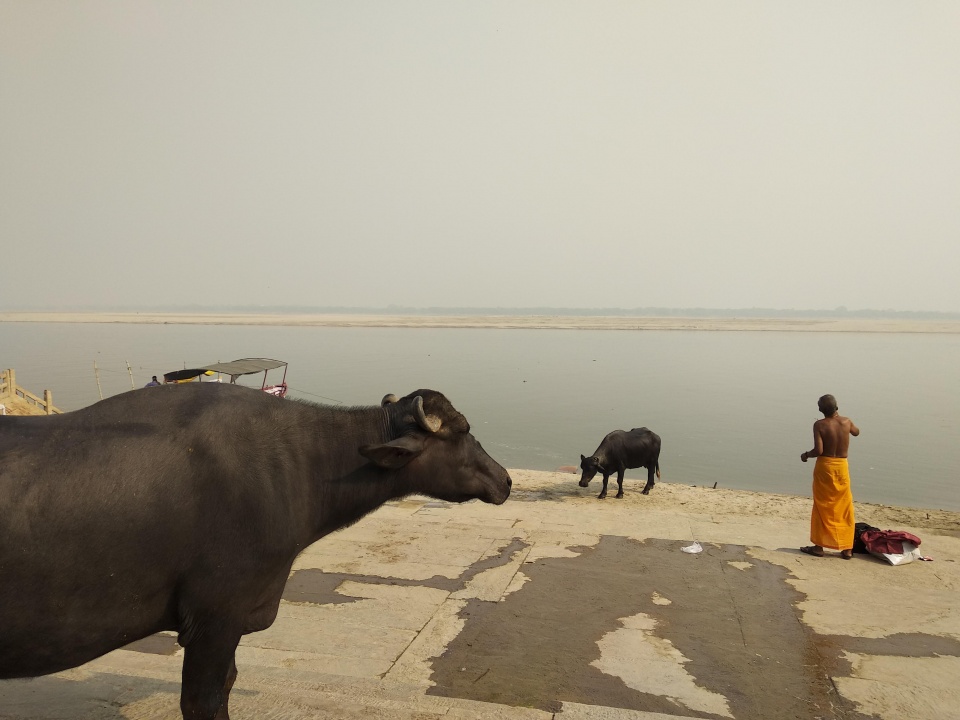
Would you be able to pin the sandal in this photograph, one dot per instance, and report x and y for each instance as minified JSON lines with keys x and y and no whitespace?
{"x":846,"y":554}
{"x":812,"y":550}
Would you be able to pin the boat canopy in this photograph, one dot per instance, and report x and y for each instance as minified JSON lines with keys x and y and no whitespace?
{"x":235,"y":368}
{"x":246,"y":366}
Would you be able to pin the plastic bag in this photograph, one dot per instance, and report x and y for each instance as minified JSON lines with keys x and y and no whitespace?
{"x":909,"y":554}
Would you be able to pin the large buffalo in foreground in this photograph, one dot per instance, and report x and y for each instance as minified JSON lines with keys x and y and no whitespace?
{"x":620,"y":451}
{"x":183,"y":507}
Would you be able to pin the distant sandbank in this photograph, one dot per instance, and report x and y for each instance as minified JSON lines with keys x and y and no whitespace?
{"x":519,"y":322}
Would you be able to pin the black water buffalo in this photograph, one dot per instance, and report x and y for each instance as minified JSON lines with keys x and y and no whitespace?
{"x":183,"y":507}
{"x":619,"y":451}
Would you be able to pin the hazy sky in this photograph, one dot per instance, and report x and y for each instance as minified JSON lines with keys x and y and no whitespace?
{"x":565,"y":154}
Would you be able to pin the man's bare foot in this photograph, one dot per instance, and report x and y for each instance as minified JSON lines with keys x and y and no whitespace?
{"x":814,"y":550}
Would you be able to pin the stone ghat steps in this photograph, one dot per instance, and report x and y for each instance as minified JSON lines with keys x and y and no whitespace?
{"x":279,"y":694}
{"x":127,"y":685}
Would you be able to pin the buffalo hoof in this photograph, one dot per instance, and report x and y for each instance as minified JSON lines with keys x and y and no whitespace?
{"x":646,"y":491}
{"x":619,"y":495}
{"x":602,"y":496}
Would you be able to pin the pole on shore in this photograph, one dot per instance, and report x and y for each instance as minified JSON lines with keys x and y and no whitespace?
{"x":130,"y":371}
{"x":96,"y":372}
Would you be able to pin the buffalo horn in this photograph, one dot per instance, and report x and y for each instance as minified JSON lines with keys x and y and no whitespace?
{"x":430,"y":423}
{"x":387,"y":399}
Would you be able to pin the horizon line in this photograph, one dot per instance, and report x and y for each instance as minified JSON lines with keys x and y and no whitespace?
{"x":489,"y":310}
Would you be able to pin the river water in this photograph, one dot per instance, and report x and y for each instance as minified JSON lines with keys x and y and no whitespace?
{"x":732,"y":408}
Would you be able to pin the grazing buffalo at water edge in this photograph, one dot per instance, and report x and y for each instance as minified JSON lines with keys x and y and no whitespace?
{"x":619,"y":451}
{"x":183,"y":507}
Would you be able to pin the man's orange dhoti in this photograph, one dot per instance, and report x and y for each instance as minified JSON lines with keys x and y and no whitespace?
{"x":831,"y":522}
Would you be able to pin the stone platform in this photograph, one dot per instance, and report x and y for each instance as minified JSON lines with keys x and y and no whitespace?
{"x":560,"y":606}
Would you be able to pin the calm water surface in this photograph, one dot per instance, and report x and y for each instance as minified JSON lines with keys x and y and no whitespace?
{"x":735,"y":408}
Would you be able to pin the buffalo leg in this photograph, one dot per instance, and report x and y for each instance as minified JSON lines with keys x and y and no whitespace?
{"x":650,"y":481}
{"x":603,"y":493}
{"x":619,"y":483}
{"x":209,"y":670}
{"x":224,"y":712}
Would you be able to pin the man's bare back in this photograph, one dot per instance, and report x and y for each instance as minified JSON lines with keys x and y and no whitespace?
{"x":831,"y":435}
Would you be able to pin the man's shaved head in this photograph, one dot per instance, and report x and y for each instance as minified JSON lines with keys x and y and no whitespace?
{"x":827,"y":405}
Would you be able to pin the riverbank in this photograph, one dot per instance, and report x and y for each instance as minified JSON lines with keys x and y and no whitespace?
{"x":722,"y":503}
{"x":520,"y":322}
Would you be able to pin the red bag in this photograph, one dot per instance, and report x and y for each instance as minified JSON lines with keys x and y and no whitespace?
{"x":887,"y":542}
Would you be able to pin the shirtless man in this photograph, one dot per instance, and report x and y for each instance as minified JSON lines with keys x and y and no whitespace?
{"x":832,"y":520}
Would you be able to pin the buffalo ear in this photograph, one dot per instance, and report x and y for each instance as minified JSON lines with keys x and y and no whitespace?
{"x":394,"y":454}
{"x":582,"y":458}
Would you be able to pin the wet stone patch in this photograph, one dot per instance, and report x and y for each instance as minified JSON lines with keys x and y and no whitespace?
{"x":317,"y":587}
{"x":320,"y":588}
{"x":729,"y":635}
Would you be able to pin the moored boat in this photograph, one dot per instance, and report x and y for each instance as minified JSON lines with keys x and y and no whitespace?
{"x":235,"y":369}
